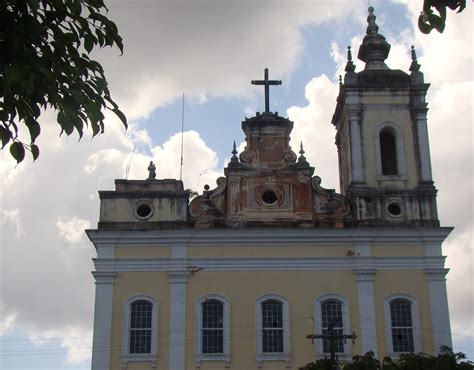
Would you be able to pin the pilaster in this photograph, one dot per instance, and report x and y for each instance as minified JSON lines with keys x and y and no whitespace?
{"x":102,"y":340}
{"x":177,"y":338}
{"x":441,"y":328}
{"x":356,"y":147}
{"x":423,"y":145}
{"x":368,"y":329}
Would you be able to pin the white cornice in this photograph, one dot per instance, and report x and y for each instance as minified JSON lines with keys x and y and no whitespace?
{"x":274,"y":264}
{"x":270,"y":236}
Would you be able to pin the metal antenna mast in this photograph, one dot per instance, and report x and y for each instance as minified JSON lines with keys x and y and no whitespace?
{"x":127,"y":168}
{"x":182,"y":140}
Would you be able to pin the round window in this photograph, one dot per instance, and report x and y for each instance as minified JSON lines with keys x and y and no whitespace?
{"x":269,"y":197}
{"x":143,"y":210}
{"x":394,"y":209}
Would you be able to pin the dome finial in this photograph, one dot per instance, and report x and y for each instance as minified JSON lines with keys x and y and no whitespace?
{"x":374,"y":49}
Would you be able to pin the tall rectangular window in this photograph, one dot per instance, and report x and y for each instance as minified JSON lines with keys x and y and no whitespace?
{"x":272,"y":326}
{"x":140,"y":327}
{"x":331,"y":311}
{"x":402,"y":325}
{"x":212,"y":327}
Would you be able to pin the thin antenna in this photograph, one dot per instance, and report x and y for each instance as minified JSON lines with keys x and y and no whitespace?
{"x":182,"y":140}
{"x":127,"y":168}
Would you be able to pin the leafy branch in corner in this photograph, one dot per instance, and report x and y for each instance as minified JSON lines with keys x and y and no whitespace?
{"x":433,"y":15}
{"x":45,"y":63}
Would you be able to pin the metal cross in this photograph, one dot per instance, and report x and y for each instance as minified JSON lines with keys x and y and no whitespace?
{"x":266,"y":82}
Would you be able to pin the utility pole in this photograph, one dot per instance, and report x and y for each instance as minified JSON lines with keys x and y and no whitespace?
{"x":332,"y":337}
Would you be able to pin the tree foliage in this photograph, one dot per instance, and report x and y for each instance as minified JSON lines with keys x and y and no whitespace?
{"x":45,"y":63}
{"x":433,"y":15}
{"x":445,"y":360}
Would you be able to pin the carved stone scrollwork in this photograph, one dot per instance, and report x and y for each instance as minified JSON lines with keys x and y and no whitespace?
{"x":328,"y":201}
{"x":290,"y":156}
{"x":221,"y":186}
{"x":247,"y":156}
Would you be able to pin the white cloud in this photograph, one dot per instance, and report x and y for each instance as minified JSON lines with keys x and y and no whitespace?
{"x":11,"y":216}
{"x":73,"y":229}
{"x":7,"y":321}
{"x":313,"y":128}
{"x":207,"y":48}
{"x":75,"y":341}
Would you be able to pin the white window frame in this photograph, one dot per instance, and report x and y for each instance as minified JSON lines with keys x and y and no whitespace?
{"x":395,"y":130}
{"x":225,"y":356}
{"x":346,"y":324}
{"x":416,"y":325}
{"x":144,"y":357}
{"x":286,"y":354}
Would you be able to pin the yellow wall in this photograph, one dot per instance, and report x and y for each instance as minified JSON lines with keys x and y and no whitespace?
{"x":398,"y":251}
{"x":242,"y":289}
{"x":268,"y":251}
{"x":410,"y":282}
{"x":128,"y":284}
{"x":143,"y":252}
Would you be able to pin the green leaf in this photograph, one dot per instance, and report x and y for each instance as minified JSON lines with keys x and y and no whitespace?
{"x":34,"y":128}
{"x":17,"y":150}
{"x":122,"y":117}
{"x":5,"y":136}
{"x":88,"y":43}
{"x":34,"y":151}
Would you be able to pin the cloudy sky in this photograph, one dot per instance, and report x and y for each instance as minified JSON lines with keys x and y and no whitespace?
{"x":210,"y":50}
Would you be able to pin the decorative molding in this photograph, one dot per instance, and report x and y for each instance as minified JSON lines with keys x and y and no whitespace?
{"x":365,"y":274}
{"x":104,"y":277}
{"x":436,"y":274}
{"x":363,"y":266}
{"x":270,"y":237}
{"x":178,"y":276}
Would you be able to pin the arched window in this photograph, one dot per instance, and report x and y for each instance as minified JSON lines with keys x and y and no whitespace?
{"x":212,"y":327}
{"x":273,"y":328}
{"x":402,"y":325}
{"x":331,"y":316}
{"x":333,"y":310}
{"x":140,"y":327}
{"x":388,"y":152}
{"x":140,"y":323}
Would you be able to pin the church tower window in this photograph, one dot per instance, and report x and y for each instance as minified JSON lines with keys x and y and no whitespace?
{"x":140,"y":327}
{"x":212,"y":327}
{"x":402,"y":326}
{"x":388,"y":152}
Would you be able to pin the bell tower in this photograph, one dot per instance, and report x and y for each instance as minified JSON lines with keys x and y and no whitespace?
{"x":382,"y":139}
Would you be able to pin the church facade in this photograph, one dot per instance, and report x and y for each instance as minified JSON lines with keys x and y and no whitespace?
{"x":238,"y":277}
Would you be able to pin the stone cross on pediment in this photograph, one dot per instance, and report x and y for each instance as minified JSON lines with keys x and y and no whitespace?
{"x":266,"y":82}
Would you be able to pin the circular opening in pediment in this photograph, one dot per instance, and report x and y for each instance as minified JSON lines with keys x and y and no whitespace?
{"x":394,"y":209}
{"x":269,"y":197}
{"x":143,"y":210}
